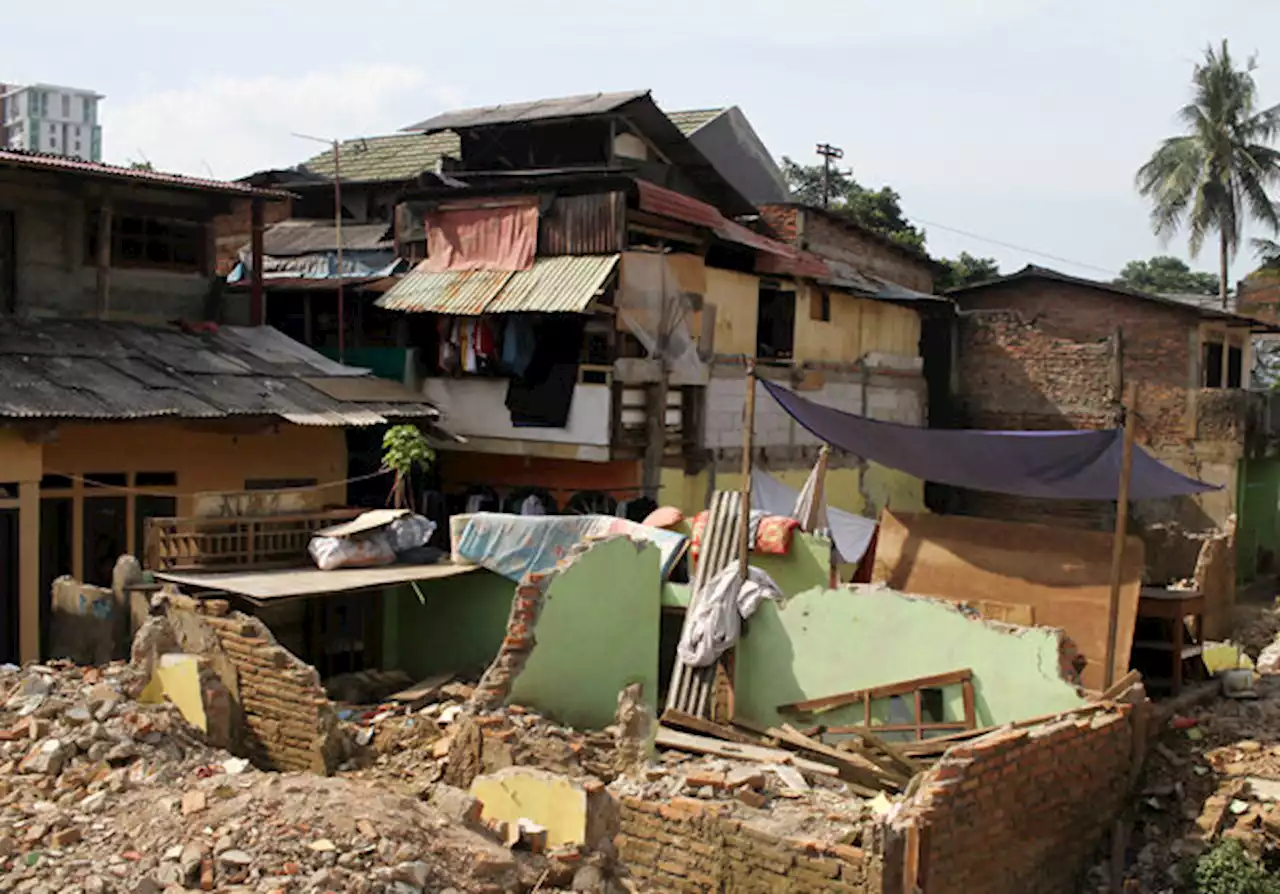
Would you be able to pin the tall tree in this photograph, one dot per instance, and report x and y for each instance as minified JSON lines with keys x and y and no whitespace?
{"x":965,"y":271}
{"x":1221,"y":169}
{"x":876,"y":209}
{"x":1166,"y":274}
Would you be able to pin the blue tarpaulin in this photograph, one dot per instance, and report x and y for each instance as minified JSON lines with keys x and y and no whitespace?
{"x":1068,"y":465}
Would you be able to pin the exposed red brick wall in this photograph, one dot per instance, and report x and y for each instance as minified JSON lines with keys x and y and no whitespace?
{"x":687,"y":845}
{"x":1157,"y":344}
{"x":232,"y":231}
{"x":1260,"y":297}
{"x":828,"y":238}
{"x":1023,"y":810}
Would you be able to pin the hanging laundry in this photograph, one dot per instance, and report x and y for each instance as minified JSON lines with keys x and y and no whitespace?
{"x":532,"y":505}
{"x":448,"y":359}
{"x":517,"y":344}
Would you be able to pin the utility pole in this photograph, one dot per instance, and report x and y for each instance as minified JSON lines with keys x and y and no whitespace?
{"x":828,"y":152}
{"x":337,"y":235}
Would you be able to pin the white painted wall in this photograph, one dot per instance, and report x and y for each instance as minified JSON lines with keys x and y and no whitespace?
{"x":476,"y":407}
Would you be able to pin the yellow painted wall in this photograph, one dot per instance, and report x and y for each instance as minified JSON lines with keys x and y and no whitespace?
{"x":887,"y":488}
{"x":857,"y":327}
{"x":19,"y":459}
{"x":203,"y":460}
{"x":736,"y":298}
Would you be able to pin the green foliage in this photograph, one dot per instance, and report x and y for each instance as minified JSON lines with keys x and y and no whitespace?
{"x":965,"y":271}
{"x":1210,"y":179}
{"x":141,"y":166}
{"x":876,"y":209}
{"x":1228,"y":869}
{"x":1165,"y":274}
{"x":404,"y":450}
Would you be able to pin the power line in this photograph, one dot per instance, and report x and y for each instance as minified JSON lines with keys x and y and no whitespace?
{"x":1010,"y":245}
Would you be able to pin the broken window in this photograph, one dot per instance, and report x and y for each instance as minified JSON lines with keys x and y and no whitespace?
{"x":775,"y":323}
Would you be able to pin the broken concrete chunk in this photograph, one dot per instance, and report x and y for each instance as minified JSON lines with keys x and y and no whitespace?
{"x":455,"y":803}
{"x":47,"y":757}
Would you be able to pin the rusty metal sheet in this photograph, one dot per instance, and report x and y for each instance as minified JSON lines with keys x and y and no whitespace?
{"x":590,"y":224}
{"x":563,"y":284}
{"x":458,"y":292}
{"x":13,"y":158}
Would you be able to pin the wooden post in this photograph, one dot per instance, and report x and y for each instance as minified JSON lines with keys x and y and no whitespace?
{"x":103,"y":261}
{"x":257,"y":301}
{"x":748,"y":438}
{"x":28,"y":595}
{"x":1122,"y":523}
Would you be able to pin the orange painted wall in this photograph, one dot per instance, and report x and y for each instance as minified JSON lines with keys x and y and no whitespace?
{"x":563,"y":477}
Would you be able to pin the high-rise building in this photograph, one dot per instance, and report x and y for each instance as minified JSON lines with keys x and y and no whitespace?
{"x":52,"y":120}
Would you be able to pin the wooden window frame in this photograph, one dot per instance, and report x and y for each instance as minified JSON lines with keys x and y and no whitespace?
{"x":137,"y":237}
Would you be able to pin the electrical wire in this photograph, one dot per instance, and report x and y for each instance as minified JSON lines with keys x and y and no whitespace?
{"x":169,"y":492}
{"x":1014,"y":247}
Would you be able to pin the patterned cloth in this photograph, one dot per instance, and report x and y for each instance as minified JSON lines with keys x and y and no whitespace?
{"x":767,"y":534}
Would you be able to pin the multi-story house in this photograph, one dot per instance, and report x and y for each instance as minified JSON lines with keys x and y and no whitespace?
{"x":52,"y":120}
{"x":132,"y":386}
{"x":568,"y":229}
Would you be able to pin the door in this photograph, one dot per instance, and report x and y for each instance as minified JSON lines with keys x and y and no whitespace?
{"x":8,"y":585}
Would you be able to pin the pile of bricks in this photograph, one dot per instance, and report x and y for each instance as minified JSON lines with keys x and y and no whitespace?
{"x":688,"y":845}
{"x":288,"y":721}
{"x":1021,"y":810}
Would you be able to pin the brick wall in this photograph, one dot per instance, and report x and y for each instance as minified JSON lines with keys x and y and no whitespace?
{"x":686,"y":845}
{"x":287,"y":721}
{"x":1066,"y":378}
{"x":232,"y":231}
{"x":814,"y":231}
{"x":1020,"y":811}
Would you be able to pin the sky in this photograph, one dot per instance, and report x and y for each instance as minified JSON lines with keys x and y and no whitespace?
{"x":1011,"y":128}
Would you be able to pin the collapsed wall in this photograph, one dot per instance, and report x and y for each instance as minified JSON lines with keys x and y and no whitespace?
{"x":283,"y":718}
{"x":1018,"y":810}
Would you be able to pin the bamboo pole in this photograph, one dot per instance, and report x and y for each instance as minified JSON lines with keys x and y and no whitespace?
{"x":748,"y":437}
{"x":1122,"y":523}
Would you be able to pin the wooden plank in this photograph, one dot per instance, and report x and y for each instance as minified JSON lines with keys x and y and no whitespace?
{"x":904,"y":763}
{"x":1005,"y":612}
{"x":875,"y":775}
{"x":830,"y":702}
{"x":1120,"y":686}
{"x":682,"y":741}
{"x":924,"y":746}
{"x":681,"y":720}
{"x":1062,"y":573}
{"x":423,"y":690}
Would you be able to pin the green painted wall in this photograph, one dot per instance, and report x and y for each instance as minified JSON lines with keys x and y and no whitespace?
{"x":597,"y":633}
{"x":824,"y":642}
{"x":459,"y":629}
{"x":1258,"y":514}
{"x":808,"y":565}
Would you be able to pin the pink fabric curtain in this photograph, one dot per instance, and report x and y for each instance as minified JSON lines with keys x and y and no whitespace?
{"x":504,"y":238}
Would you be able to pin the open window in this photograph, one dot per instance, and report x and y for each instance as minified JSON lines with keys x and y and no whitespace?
{"x":776,"y":322}
{"x":1211,"y":364}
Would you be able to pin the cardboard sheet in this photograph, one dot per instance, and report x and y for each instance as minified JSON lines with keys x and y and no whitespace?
{"x":1060,"y":573}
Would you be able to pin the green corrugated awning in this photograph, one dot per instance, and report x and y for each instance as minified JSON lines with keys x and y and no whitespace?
{"x":562,"y":284}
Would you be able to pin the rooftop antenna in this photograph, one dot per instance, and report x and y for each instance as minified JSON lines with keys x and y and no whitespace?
{"x":337,"y":234}
{"x":828,"y":152}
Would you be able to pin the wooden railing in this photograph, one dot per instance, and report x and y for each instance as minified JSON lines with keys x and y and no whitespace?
{"x":225,"y":544}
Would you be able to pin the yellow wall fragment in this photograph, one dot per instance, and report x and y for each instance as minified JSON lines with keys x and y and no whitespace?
{"x":556,"y":803}
{"x":177,"y":678}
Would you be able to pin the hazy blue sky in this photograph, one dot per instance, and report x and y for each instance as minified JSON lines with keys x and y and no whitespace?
{"x":1017,"y":120}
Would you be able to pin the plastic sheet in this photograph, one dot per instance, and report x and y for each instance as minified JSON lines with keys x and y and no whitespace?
{"x":369,"y":551}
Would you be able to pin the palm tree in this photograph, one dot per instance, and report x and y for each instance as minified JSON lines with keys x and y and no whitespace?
{"x":1222,"y":168}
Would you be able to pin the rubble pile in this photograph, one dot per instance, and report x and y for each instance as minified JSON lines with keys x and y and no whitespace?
{"x":101,"y":794}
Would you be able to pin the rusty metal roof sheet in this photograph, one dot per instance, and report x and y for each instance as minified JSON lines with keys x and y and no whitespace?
{"x":90,"y":369}
{"x":559,"y":284}
{"x":460,"y":292}
{"x":538,"y":110}
{"x":12,"y":158}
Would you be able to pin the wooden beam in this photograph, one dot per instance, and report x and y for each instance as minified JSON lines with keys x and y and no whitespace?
{"x":1122,"y":522}
{"x":682,"y":741}
{"x":827,"y":703}
{"x":874,"y":776}
{"x":257,"y":300}
{"x":103,"y":261}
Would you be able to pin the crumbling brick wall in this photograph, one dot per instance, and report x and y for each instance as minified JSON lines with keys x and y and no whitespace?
{"x":234,"y":230}
{"x":688,"y":845}
{"x":288,"y":722}
{"x":1020,"y":810}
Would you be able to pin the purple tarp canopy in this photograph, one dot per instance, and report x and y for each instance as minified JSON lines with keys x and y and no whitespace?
{"x":1068,"y":465}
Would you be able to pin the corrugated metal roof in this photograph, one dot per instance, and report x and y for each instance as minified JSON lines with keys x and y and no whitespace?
{"x":463,"y":292}
{"x":690,"y":120}
{"x":538,"y":110}
{"x":300,"y":237}
{"x":560,"y":284}
{"x":89,"y":369}
{"x":400,"y":156}
{"x":11,"y":158}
